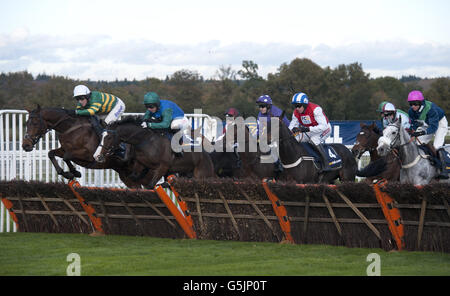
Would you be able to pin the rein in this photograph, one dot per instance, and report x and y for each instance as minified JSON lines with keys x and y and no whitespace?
{"x":45,"y":127}
{"x":395,"y":148}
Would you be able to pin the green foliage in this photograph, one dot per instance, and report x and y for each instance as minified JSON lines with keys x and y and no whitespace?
{"x":345,"y":92}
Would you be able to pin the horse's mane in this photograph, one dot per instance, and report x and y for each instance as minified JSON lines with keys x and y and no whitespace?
{"x":56,"y":110}
{"x":373,"y":128}
{"x":131,"y":119}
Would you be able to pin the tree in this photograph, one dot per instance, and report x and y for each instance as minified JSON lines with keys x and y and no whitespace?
{"x":186,"y":89}
{"x":393,"y":90}
{"x":439,"y":93}
{"x":250,"y":71}
{"x":301,"y":75}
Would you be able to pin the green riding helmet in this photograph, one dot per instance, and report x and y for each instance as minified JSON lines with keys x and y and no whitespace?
{"x":380,"y":107}
{"x":151,"y":98}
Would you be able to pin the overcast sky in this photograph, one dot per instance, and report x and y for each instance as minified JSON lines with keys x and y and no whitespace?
{"x":105,"y":40}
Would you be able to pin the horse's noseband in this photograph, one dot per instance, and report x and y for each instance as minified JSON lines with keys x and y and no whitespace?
{"x":110,"y":150}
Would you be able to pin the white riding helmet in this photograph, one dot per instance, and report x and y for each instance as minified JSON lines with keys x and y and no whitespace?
{"x":389,"y":107}
{"x":81,"y":90}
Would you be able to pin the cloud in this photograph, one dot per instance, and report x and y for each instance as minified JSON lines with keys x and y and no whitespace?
{"x":100,"y":57}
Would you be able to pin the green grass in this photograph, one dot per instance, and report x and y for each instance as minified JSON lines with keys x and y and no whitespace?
{"x":46,"y":254}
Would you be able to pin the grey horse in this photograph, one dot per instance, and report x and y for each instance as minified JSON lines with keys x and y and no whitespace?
{"x":416,"y":167}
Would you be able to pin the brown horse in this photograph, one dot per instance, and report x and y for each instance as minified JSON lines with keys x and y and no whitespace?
{"x":78,"y":142}
{"x":153,"y":152}
{"x":254,"y":163}
{"x":300,"y":165}
{"x":387,"y":167}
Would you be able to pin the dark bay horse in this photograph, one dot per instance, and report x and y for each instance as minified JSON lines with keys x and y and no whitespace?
{"x":78,"y":143}
{"x":153,"y":152}
{"x":300,"y":166}
{"x":240,"y":155}
{"x":255,"y":163}
{"x":386,"y":167}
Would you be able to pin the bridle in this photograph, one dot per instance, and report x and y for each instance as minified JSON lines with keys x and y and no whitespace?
{"x":110,"y":150}
{"x":396,"y":149}
{"x":366,"y":147}
{"x":43,"y":127}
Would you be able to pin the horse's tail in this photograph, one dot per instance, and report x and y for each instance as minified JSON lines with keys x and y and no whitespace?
{"x":375,"y":168}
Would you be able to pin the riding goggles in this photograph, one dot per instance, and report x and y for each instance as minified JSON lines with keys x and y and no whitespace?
{"x":151,"y":106}
{"x":263,"y":106}
{"x":83,"y":97}
{"x":299,"y":105}
{"x":415,"y":103}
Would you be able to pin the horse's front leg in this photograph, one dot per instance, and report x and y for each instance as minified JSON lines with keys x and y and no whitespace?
{"x":157,"y":175}
{"x":60,"y":153}
{"x":72,"y":168}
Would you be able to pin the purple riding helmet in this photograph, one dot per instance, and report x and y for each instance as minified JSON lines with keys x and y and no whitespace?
{"x":415,"y":95}
{"x":265,"y":99}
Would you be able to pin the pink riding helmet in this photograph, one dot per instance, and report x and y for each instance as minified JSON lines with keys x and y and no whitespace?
{"x":415,"y":95}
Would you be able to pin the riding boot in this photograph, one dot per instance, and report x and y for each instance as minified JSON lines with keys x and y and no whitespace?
{"x":96,"y":125}
{"x":323,"y":154}
{"x":443,"y":172}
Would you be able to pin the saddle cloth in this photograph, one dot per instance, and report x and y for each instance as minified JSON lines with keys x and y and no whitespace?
{"x":333,"y":159}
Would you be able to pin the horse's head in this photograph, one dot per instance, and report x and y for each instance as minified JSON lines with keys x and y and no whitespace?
{"x":393,"y":137}
{"x":35,"y":129}
{"x":366,"y":140}
{"x":110,"y":143}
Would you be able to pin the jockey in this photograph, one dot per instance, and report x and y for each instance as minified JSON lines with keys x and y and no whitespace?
{"x":232,"y":112}
{"x":164,"y":114}
{"x":267,"y":110}
{"x":425,"y":111}
{"x":97,"y":103}
{"x":390,"y":115}
{"x":310,"y":120}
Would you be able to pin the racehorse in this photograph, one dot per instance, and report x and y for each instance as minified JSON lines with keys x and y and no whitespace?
{"x":78,"y":142}
{"x":153,"y":152}
{"x":416,"y":168}
{"x":300,"y":166}
{"x":386,"y":167}
{"x":254,"y":163}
